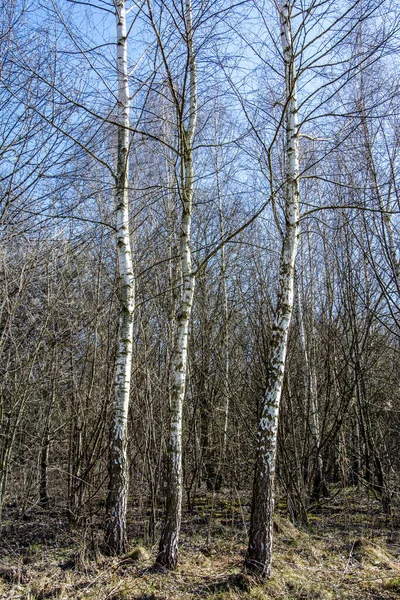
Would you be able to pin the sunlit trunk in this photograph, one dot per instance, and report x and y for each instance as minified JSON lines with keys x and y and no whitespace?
{"x":259,"y":553}
{"x":168,"y":548}
{"x":115,"y":532}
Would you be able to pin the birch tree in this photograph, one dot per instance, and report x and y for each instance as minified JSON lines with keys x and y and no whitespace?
{"x":168,"y":547}
{"x":312,"y":38}
{"x":259,"y":553}
{"x":115,"y":531}
{"x":318,"y":485}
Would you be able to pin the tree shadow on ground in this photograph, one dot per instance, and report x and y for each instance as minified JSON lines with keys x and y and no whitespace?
{"x":239,"y":582}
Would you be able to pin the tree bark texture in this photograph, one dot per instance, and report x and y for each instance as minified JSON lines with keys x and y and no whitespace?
{"x":115,"y":531}
{"x":259,"y":553}
{"x":168,"y":548}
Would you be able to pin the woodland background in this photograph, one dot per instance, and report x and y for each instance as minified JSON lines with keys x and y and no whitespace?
{"x":59,"y":293}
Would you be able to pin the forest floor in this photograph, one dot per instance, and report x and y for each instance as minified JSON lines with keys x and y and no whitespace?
{"x":349,"y":551}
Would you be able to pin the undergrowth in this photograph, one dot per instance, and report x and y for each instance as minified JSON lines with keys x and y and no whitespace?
{"x":349,"y":551}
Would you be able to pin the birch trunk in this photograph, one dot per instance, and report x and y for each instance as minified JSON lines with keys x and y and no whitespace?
{"x":168,"y":548}
{"x":385,"y":207}
{"x":225,"y":342}
{"x":259,"y":553}
{"x":318,"y":483}
{"x":115,"y":530}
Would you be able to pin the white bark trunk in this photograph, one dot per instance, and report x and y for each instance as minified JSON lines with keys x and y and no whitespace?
{"x":259,"y":554}
{"x":118,"y":468}
{"x":385,"y":206}
{"x":225,"y":343}
{"x":168,"y":548}
{"x":317,"y":485}
{"x":386,"y":212}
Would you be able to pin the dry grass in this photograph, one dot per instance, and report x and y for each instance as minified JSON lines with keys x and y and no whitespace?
{"x":345,"y":554}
